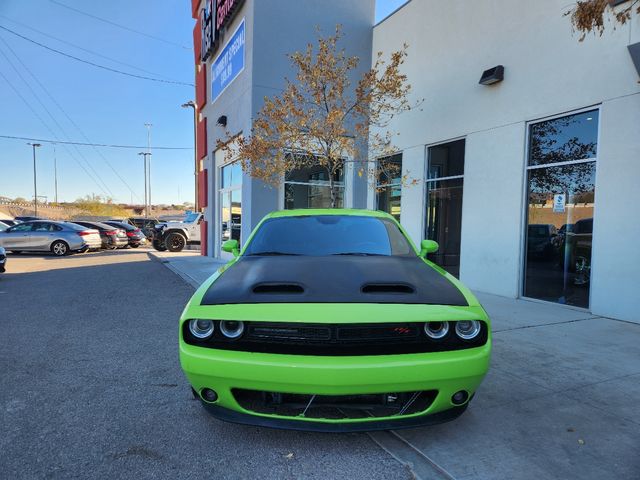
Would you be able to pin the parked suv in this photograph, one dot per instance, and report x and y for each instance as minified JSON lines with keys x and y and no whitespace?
{"x":174,"y":236}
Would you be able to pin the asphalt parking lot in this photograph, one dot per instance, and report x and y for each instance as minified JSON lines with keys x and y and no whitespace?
{"x":92,"y":388}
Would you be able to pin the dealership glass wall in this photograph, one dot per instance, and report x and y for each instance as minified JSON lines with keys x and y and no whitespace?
{"x":230,"y":201}
{"x":389,"y":185}
{"x":561,"y":172}
{"x":308,"y":187}
{"x":444,"y":184}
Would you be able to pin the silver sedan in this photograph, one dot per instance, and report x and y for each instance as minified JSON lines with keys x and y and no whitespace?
{"x":59,"y":238}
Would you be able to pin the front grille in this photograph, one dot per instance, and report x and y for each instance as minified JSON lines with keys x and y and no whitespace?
{"x":371,"y":405}
{"x":335,"y":339}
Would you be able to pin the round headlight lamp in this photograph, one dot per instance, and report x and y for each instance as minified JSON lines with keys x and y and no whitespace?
{"x":468,"y":329}
{"x":231,"y":328}
{"x":436,"y":330}
{"x":201,"y":328}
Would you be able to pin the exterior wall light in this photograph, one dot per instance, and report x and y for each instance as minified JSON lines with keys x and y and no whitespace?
{"x":493,"y":75}
{"x":222,"y":121}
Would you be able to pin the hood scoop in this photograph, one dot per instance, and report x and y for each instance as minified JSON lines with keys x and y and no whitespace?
{"x":387,"y":288}
{"x":278,"y":288}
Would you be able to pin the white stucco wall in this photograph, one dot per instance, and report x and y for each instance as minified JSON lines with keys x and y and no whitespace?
{"x":547,"y":72}
{"x":615,"y":288}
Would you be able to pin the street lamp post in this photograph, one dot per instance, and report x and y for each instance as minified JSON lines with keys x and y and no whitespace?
{"x":149,"y":125}
{"x":146,"y":202}
{"x":55,"y":173}
{"x":35,"y":183}
{"x":192,"y":104}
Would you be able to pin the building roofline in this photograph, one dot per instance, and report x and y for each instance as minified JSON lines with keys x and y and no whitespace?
{"x":393,"y":13}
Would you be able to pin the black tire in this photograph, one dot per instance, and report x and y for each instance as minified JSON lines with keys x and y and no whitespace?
{"x":175,"y":242}
{"x":135,"y":245}
{"x":158,"y":245}
{"x":59,"y":248}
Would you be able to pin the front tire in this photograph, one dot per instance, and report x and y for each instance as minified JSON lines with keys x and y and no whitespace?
{"x":175,"y":242}
{"x":59,"y":248}
{"x":134,"y":245}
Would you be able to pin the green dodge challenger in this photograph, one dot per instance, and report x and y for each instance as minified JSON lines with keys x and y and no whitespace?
{"x":332,"y":320}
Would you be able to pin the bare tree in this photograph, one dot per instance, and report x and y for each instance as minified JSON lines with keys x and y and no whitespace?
{"x":321,"y":121}
{"x":590,"y":15}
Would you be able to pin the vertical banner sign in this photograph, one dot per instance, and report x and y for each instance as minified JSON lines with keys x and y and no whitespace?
{"x":228,"y":64}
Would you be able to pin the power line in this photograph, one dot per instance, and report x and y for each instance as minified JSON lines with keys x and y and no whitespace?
{"x":37,"y":115}
{"x":37,"y":97}
{"x":85,"y":144}
{"x":142,"y":77}
{"x":97,"y":54}
{"x":51,"y":97}
{"x":124,"y":27}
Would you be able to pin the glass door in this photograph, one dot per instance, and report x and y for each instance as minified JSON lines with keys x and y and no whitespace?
{"x":444,"y":203}
{"x":560,"y":202}
{"x":230,"y":196}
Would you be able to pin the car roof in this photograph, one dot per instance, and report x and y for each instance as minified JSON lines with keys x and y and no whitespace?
{"x":310,"y":212}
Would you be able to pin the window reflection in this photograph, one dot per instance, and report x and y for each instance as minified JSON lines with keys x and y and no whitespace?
{"x":309,"y":188}
{"x":389,"y":185}
{"x":560,"y":209}
{"x":444,"y":203}
{"x":564,"y":139}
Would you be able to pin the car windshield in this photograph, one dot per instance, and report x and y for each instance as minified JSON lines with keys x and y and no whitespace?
{"x":192,"y":217}
{"x":321,"y":235}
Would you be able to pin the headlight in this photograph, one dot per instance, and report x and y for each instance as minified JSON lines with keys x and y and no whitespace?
{"x":436,"y":330}
{"x":201,"y":328}
{"x":231,"y":328}
{"x":468,"y":329}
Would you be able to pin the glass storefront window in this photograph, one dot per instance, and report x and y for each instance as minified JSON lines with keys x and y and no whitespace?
{"x":230,"y":202}
{"x":564,"y":139}
{"x":561,"y":196}
{"x":389,"y":186}
{"x":309,"y":188}
{"x":444,"y":203}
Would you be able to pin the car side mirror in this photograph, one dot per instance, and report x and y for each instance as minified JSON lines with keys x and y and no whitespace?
{"x":231,"y":246}
{"x":428,"y":246}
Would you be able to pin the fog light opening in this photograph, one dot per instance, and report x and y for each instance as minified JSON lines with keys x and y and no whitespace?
{"x":460,"y":397}
{"x":209,"y":395}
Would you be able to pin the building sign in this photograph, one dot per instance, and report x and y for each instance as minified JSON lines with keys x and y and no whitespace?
{"x":229,"y":63}
{"x":559,"y":202}
{"x":214,"y":19}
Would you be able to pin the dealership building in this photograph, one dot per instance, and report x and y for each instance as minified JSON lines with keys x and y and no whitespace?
{"x":523,"y":158}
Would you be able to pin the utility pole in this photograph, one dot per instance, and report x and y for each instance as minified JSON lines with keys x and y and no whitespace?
{"x":55,"y":173}
{"x":149,"y":125}
{"x":146,"y":202}
{"x":192,"y":104}
{"x":35,"y":183}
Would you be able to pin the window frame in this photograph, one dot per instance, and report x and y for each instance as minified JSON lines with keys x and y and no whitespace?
{"x":525,"y":198}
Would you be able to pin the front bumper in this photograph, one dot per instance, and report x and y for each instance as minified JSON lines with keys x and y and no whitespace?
{"x":444,"y":372}
{"x":314,"y":426}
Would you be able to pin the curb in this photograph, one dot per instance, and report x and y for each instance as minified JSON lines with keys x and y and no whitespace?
{"x":167,"y":263}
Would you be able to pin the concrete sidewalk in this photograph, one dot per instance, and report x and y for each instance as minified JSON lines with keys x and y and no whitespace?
{"x":560,"y":400}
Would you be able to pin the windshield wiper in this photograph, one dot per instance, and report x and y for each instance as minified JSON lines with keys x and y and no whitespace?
{"x":259,"y":254}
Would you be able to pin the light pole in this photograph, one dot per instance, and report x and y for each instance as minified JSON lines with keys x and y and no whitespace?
{"x":192,"y":104}
{"x":146,"y":203}
{"x":35,"y":183}
{"x":55,"y":173}
{"x":149,"y":125}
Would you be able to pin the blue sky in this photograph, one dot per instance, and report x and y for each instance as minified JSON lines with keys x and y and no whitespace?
{"x":107,"y":107}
